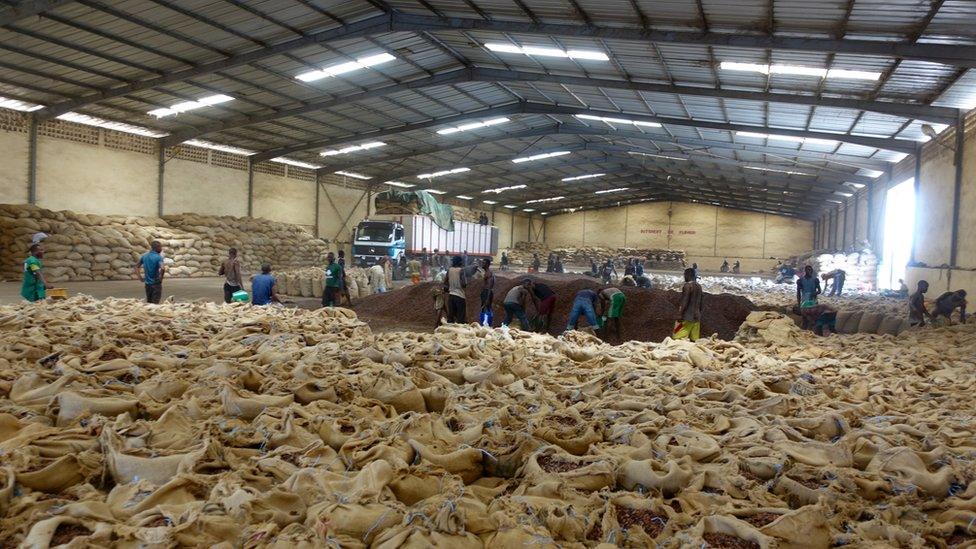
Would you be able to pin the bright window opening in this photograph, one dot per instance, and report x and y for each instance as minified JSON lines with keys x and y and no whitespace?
{"x":899,"y":230}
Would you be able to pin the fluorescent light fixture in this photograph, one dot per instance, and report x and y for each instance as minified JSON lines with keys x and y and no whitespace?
{"x":191,"y":105}
{"x":874,"y":174}
{"x":17,"y":105}
{"x":834,"y":201}
{"x":610,"y":120}
{"x":795,"y":70}
{"x":539,"y":156}
{"x":399,"y":184}
{"x":472,"y":126}
{"x":296,"y":163}
{"x":540,"y":200}
{"x":790,"y":138}
{"x":218,"y":147}
{"x":591,"y":55}
{"x":503,"y":189}
{"x":465,"y":197}
{"x":342,"y":68}
{"x":110,"y":125}
{"x":842,"y":193}
{"x":510,"y":206}
{"x":434,"y":191}
{"x":767,"y":169}
{"x":855,"y":185}
{"x":669,"y":157}
{"x":581,"y":177}
{"x":490,"y":201}
{"x":617,"y":190}
{"x":353,"y":148}
{"x":528,"y":209}
{"x":442,"y":173}
{"x":353,"y":175}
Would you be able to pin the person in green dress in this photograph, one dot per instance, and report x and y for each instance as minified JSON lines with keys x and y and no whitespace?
{"x":34,"y":287}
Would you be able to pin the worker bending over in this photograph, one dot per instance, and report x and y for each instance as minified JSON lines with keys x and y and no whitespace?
{"x":545,"y":302}
{"x":807,"y":286}
{"x":822,"y":318}
{"x":264,"y":287}
{"x":947,"y":303}
{"x":786,"y":274}
{"x":583,"y":304}
{"x":612,"y":308}
{"x":916,"y":305}
{"x":515,"y":301}
{"x":377,"y":277}
{"x":688,"y":325}
{"x":837,"y":276}
{"x":34,"y":287}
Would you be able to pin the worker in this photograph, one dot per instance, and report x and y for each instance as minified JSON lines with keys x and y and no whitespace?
{"x":515,"y":301}
{"x":807,"y":286}
{"x":377,"y":277}
{"x":150,"y":270}
{"x":695,"y":267}
{"x":465,"y":260}
{"x":551,"y":264}
{"x":642,"y":282}
{"x":594,"y":271}
{"x":413,"y":268}
{"x":230,"y":269}
{"x":688,"y":325}
{"x":37,"y":238}
{"x":559,"y":265}
{"x":638,"y":268}
{"x":545,"y":302}
{"x":736,"y":267}
{"x":612,"y":308}
{"x":424,"y":264}
{"x":455,"y":283}
{"x":333,"y":282}
{"x":535,"y":263}
{"x":786,"y":274}
{"x":947,"y":303}
{"x":916,"y":305}
{"x":609,"y":271}
{"x":836,"y":277}
{"x":822,"y":318}
{"x":630,"y":269}
{"x":902,"y":288}
{"x":34,"y":287}
{"x":440,"y":305}
{"x":504,"y":261}
{"x":343,"y":279}
{"x":264,"y":287}
{"x":487,"y":293}
{"x":583,"y":304}
{"x":725,"y":266}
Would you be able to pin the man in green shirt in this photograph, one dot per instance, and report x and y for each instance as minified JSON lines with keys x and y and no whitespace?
{"x":34,"y":287}
{"x":333,"y":282}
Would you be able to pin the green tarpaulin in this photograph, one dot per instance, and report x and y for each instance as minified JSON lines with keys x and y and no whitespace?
{"x":442,"y":214}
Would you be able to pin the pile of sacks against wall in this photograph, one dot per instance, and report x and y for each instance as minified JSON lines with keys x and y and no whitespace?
{"x":98,"y":247}
{"x":521,"y":254}
{"x":130,"y":425}
{"x":308,"y":282}
{"x":861,"y":266}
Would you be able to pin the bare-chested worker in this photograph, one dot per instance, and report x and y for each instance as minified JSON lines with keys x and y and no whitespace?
{"x":916,"y":305}
{"x":948,"y":302}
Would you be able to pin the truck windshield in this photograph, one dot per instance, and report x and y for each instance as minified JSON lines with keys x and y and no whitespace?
{"x":375,"y":232}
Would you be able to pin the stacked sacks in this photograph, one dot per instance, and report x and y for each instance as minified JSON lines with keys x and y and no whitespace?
{"x":97,"y":247}
{"x":861,"y":266}
{"x":521,"y":255}
{"x":206,"y":425}
{"x":308,"y":282}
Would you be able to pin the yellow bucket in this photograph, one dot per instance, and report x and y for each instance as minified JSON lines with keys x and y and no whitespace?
{"x":58,"y":293}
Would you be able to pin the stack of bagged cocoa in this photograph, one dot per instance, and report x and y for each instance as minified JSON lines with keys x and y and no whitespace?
{"x":861,"y":266}
{"x":99,"y":247}
{"x":521,"y":254}
{"x":308,"y":282}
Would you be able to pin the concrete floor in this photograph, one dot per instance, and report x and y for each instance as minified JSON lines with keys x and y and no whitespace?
{"x":183,"y":289}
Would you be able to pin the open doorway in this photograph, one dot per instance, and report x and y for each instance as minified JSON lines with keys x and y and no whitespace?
{"x":899,"y":231}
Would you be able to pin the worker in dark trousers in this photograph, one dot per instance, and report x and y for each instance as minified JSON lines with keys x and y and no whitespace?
{"x":836,"y":279}
{"x":455,"y":283}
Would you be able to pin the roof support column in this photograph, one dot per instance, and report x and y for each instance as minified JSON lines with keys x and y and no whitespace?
{"x":32,"y":160}
{"x":957,"y":191}
{"x":160,"y":177}
{"x":915,"y":184}
{"x":250,"y":186}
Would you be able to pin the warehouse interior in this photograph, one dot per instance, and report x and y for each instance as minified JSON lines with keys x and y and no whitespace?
{"x":632,"y":171}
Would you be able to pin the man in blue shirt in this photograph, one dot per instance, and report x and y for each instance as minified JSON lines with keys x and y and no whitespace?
{"x":807,"y":287}
{"x":150,"y":271}
{"x":263,"y":287}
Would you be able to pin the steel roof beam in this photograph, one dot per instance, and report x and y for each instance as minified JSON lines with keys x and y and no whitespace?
{"x":28,"y":8}
{"x":947,"y":54}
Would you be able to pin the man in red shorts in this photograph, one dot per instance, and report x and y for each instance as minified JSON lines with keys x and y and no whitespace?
{"x":546,"y":303}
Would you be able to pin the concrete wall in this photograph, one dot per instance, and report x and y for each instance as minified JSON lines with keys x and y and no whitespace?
{"x":203,"y":189}
{"x":283,"y":199}
{"x":13,"y":167}
{"x":707,"y":234}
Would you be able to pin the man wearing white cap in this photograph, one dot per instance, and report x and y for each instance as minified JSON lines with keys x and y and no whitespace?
{"x":38,"y":238}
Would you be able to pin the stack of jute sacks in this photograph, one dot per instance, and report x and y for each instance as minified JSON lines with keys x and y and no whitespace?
{"x":308,"y":282}
{"x":521,"y":254}
{"x":99,"y":247}
{"x":861,"y":266}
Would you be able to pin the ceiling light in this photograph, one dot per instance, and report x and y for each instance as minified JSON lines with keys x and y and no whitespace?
{"x":853,"y":75}
{"x":434,"y":191}
{"x":617,"y":190}
{"x":539,"y":156}
{"x":503,"y":189}
{"x":465,"y":197}
{"x":510,"y":207}
{"x":659,"y":156}
{"x":442,"y":173}
{"x":610,"y":120}
{"x":17,"y":105}
{"x":110,"y":125}
{"x":580,"y":177}
{"x":528,"y":209}
{"x":472,"y":126}
{"x":768,"y":169}
{"x":354,"y":175}
{"x":399,"y":184}
{"x":218,"y":147}
{"x":842,"y":193}
{"x":489,"y":202}
{"x":591,"y":55}
{"x":191,"y":105}
{"x":296,"y":163}
{"x":538,"y":200}
{"x":800,"y":71}
{"x":353,"y":148}
{"x":544,"y":213}
{"x":874,"y":174}
{"x":855,"y":185}
{"x":342,"y":68}
{"x":790,"y":138}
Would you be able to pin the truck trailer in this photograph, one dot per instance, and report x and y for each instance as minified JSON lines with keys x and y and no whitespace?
{"x":399,"y":236}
